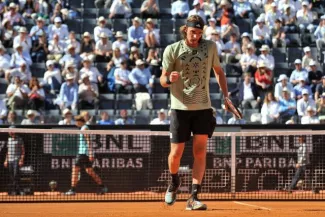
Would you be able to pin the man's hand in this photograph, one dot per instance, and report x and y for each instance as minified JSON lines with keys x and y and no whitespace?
{"x":5,"y":164}
{"x":21,"y":163}
{"x":173,"y":76}
{"x":297,"y":166}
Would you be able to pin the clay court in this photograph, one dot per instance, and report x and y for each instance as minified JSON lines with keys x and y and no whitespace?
{"x":158,"y":209}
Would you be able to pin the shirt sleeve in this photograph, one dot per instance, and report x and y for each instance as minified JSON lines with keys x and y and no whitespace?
{"x":168,"y":59}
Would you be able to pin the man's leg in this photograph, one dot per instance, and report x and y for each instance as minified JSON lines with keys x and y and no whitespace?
{"x":74,"y":180}
{"x":295,"y":179}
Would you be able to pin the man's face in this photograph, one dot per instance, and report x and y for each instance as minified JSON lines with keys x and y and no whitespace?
{"x":123,"y":113}
{"x":17,"y":80}
{"x":23,"y":67}
{"x":69,"y":81}
{"x":86,"y":64}
{"x":58,"y":24}
{"x":308,"y":53}
{"x":104,"y":116}
{"x":72,"y":51}
{"x":135,"y":23}
{"x":260,"y":24}
{"x":233,"y":38}
{"x":141,"y":66}
{"x":162,"y":116}
{"x":68,"y":116}
{"x":193,"y":35}
{"x":274,"y":9}
{"x":305,"y":96}
{"x":298,"y":66}
{"x":79,"y":123}
{"x":264,"y":52}
{"x":247,"y":79}
{"x":285,"y":95}
{"x":86,"y":81}
{"x":40,"y":24}
{"x":284,"y":81}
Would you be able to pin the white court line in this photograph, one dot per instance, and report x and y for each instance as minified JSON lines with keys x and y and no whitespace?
{"x":251,"y":205}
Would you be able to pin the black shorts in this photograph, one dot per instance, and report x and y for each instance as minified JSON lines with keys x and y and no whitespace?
{"x":183,"y":123}
{"x":82,"y":160}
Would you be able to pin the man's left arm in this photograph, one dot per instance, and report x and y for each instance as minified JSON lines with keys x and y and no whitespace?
{"x":219,"y":73}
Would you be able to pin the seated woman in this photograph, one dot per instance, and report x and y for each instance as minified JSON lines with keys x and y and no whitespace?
{"x":152,"y":37}
{"x":36,"y":95}
{"x":270,"y":112}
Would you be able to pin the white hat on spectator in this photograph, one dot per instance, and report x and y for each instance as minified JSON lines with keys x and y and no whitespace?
{"x":18,"y":46}
{"x":86,"y":59}
{"x":69,"y":64}
{"x":12,"y":5}
{"x":261,"y":64}
{"x":40,"y":19}
{"x":154,"y":62}
{"x":323,"y":95}
{"x":103,"y":35}
{"x":50,"y":62}
{"x":304,"y":91}
{"x":282,"y":77}
{"x":285,"y":89}
{"x":259,"y":20}
{"x":265,"y":48}
{"x":245,"y":34}
{"x":215,"y":32}
{"x":149,"y":20}
{"x":119,"y":34}
{"x":69,"y":76}
{"x":86,"y":34}
{"x":84,"y":75}
{"x":136,"y":19}
{"x":250,"y":46}
{"x":310,"y":108}
{"x":22,"y":30}
{"x":57,"y":20}
{"x":305,"y":3}
{"x":322,"y":17}
{"x":307,"y":49}
{"x":195,"y":2}
{"x":134,"y":48}
{"x":5,"y":21}
{"x":65,"y":11}
{"x":31,"y":112}
{"x":2,"y":47}
{"x":70,"y":46}
{"x":66,"y":111}
{"x":312,"y":63}
{"x":298,"y":61}
{"x":161,"y":111}
{"x":212,"y":19}
{"x":101,"y":19}
{"x":273,"y":4}
{"x":223,"y":2}
{"x":139,"y":62}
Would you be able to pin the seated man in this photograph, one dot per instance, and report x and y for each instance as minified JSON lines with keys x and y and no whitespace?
{"x":68,"y":119}
{"x":68,"y":96}
{"x":150,"y":8}
{"x":52,"y":77}
{"x":300,"y":87}
{"x":23,"y":72}
{"x":122,"y":81}
{"x":141,"y":78}
{"x":124,"y":118}
{"x":287,"y":106}
{"x":136,"y":34}
{"x":161,"y":119}
{"x":180,"y":9}
{"x":314,"y":76}
{"x":320,"y":89}
{"x":88,"y":93}
{"x":304,"y":102}
{"x":310,"y":117}
{"x":298,"y":73}
{"x":282,"y":83}
{"x":105,"y":119}
{"x":70,"y":56}
{"x":94,"y":75}
{"x":17,"y":94}
{"x":30,"y":118}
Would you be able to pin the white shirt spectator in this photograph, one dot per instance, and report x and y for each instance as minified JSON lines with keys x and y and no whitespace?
{"x":3,"y":110}
{"x":17,"y":59}
{"x":27,"y":44}
{"x":62,"y":31}
{"x":86,"y":94}
{"x":4,"y":62}
{"x":220,"y":46}
{"x":302,"y":106}
{"x":122,"y":45}
{"x":13,"y":88}
{"x":98,"y":30}
{"x":75,"y":43}
{"x":56,"y":48}
{"x":278,"y":90}
{"x":302,"y":19}
{"x":198,"y":12}
{"x":271,"y":17}
{"x":93,"y":74}
{"x":268,"y":60}
{"x":180,"y":7}
{"x":24,"y":76}
{"x":156,"y":33}
{"x":264,"y":31}
{"x":100,"y":46}
{"x":229,"y":46}
{"x":248,"y":59}
{"x":120,"y":8}
{"x":268,"y":111}
{"x":157,"y":121}
{"x":49,"y":74}
{"x":65,"y":122}
{"x":248,"y":92}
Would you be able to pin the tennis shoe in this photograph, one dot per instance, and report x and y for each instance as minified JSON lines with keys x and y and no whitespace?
{"x":102,"y":190}
{"x":195,"y":204}
{"x":70,"y":192}
{"x":170,"y":196}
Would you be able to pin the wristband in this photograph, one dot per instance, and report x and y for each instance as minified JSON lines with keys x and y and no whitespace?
{"x":168,"y":81}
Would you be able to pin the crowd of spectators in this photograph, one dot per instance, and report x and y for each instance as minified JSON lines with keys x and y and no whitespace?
{"x":72,"y":80}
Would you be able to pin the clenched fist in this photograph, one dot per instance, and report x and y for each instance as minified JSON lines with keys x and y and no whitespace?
{"x":173,"y":76}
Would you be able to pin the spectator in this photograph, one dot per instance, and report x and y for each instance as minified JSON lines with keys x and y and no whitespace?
{"x":120,"y":9}
{"x":268,"y":5}
{"x":30,"y":118}
{"x":58,"y":29}
{"x":243,"y":9}
{"x":17,"y":94}
{"x":70,"y":56}
{"x":263,"y":78}
{"x":245,"y":41}
{"x":300,"y":87}
{"x":133,"y":57}
{"x":149,"y":9}
{"x":305,"y":18}
{"x":120,"y":43}
{"x":22,"y":72}
{"x":197,"y":10}
{"x":3,"y":111}
{"x":215,"y":36}
{"x":87,"y":117}
{"x":283,"y":83}
{"x":87,"y":48}
{"x":314,"y":76}
{"x":93,"y":74}
{"x":136,"y":34}
{"x":52,"y":77}
{"x":289,"y":18}
{"x":11,"y":118}
{"x":45,"y":8}
{"x":19,"y":57}
{"x":248,"y":60}
{"x":105,"y":119}
{"x":115,"y":61}
{"x":13,"y":16}
{"x":7,"y":33}
{"x":226,"y":13}
{"x":73,"y":41}
{"x":310,"y":117}
{"x":235,"y":121}
{"x":88,"y":93}
{"x":211,"y":28}
{"x":320,"y":105}
{"x":266,"y":57}
{"x":304,"y":102}
{"x":287,"y":106}
{"x":320,"y":89}
{"x":30,"y":7}
{"x":154,"y":68}
{"x":283,"y":3}
{"x":209,"y":8}
{"x":298,"y":72}
{"x":56,"y":49}
{"x":36,"y":95}
{"x":248,"y":93}
{"x":152,"y":35}
{"x":124,"y":119}
{"x":141,"y":78}
{"x":161,"y":119}
{"x":56,"y":12}
{"x":4,"y":60}
{"x":67,"y":115}
{"x":261,"y":33}
{"x":229,"y":29}
{"x":23,"y":39}
{"x":180,"y":9}
{"x":278,"y":34}
{"x":272,"y":15}
{"x":320,"y":33}
{"x":232,"y":50}
{"x":40,"y":49}
{"x":101,"y":28}
{"x":152,"y":55}
{"x":103,"y":4}
{"x":70,"y":68}
{"x":307,"y":58}
{"x":270,"y":109}
{"x":68,"y":96}
{"x":103,"y":49}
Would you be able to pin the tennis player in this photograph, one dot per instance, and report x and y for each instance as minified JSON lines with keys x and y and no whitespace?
{"x":84,"y":159}
{"x":186,"y":70}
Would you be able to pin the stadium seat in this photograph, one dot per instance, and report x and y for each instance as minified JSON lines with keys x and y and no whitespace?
{"x":279,"y":54}
{"x":75,"y":3}
{"x":136,"y":12}
{"x":142,"y":120}
{"x":137,"y":3}
{"x":178,"y":24}
{"x":281,"y":68}
{"x":2,"y":96}
{"x":294,"y":39}
{"x":247,"y":113}
{"x":215,"y":100}
{"x":3,"y":86}
{"x":165,"y":13}
{"x":89,"y":12}
{"x":160,"y":101}
{"x":167,"y":39}
{"x":294,"y":53}
{"x":74,"y":25}
{"x":166,"y":26}
{"x":244,"y":25}
{"x":92,"y":112}
{"x":214,"y":86}
{"x":103,"y":12}
{"x":120,"y":25}
{"x":165,"y":4}
{"x":38,"y":69}
{"x":89,"y":25}
{"x":314,"y":53}
{"x":145,"y":112}
{"x":107,"y":101}
{"x":129,"y":111}
{"x":89,"y":4}
{"x":124,"y":101}
{"x":157,"y":88}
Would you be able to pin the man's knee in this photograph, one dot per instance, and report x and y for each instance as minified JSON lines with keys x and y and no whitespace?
{"x":89,"y":170}
{"x":176,"y":153}
{"x":199,"y":152}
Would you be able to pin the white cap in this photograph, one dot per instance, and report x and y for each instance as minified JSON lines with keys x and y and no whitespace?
{"x":265,"y":47}
{"x":307,"y":49}
{"x":22,"y":30}
{"x":103,"y":35}
{"x":49,"y":62}
{"x":69,"y":64}
{"x":195,"y":2}
{"x":12,"y":5}
{"x":310,"y":108}
{"x":223,"y":2}
{"x":134,"y":48}
{"x":245,"y":34}
{"x":40,"y":19}
{"x":84,"y":75}
{"x":149,"y":20}
{"x":100,"y":19}
{"x":65,"y":11}
{"x":215,"y":32}
{"x":137,"y":19}
{"x":139,"y":62}
{"x":322,"y":17}
{"x":261,"y":64}
{"x":304,"y":91}
{"x":66,"y":111}
{"x":312,"y":63}
{"x":154,"y":62}
{"x":212,"y":19}
{"x":161,"y":111}
{"x":305,"y":3}
{"x":119,"y":34}
{"x":18,"y":45}
{"x":259,"y":20}
{"x":286,"y":6}
{"x":273,"y":4}
{"x":285,"y":89}
{"x":31,"y":112}
{"x":69,"y":76}
{"x":297,"y":61}
{"x":86,"y":34}
{"x":57,"y":20}
{"x":70,"y":46}
{"x":282,"y":77}
{"x":250,"y":45}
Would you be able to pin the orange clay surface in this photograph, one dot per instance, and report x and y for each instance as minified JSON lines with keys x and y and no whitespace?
{"x":158,"y":209}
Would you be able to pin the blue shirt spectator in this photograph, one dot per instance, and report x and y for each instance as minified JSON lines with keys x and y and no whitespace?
{"x":135,"y":32}
{"x":302,"y":86}
{"x":20,"y":57}
{"x":105,"y":120}
{"x":287,"y":106}
{"x":298,"y":72}
{"x":71,"y":56}
{"x":241,"y":7}
{"x":140,"y":75}
{"x":180,"y":8}
{"x":38,"y":29}
{"x":124,"y":119}
{"x":68,"y":96}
